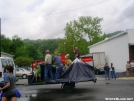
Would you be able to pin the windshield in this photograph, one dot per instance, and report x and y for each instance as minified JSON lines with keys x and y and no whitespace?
{"x":4,"y":63}
{"x":10,"y":62}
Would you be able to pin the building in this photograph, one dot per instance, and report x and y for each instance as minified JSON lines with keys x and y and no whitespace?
{"x":3,"y":54}
{"x":118,"y":49}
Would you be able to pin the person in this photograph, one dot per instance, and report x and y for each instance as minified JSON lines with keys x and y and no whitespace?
{"x":37,"y":72}
{"x":76,"y":51}
{"x":107,"y":68}
{"x":113,"y":71}
{"x":48,"y":66}
{"x":57,"y":60}
{"x":10,"y":93}
{"x":132,"y":68}
{"x":67,"y":61}
{"x":128,"y":69}
{"x":4,"y":75}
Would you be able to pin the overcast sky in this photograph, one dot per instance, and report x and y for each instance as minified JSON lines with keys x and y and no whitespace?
{"x":46,"y":19}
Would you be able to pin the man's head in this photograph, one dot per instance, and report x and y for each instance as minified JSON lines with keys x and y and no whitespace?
{"x":9,"y":69}
{"x":47,"y":51}
{"x":106,"y":64}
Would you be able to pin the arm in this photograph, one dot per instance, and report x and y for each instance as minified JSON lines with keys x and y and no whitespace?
{"x":45,"y":62}
{"x":73,"y":48}
{"x":7,"y":84}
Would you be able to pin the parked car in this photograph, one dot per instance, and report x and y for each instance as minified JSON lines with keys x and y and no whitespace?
{"x":99,"y":70}
{"x":22,"y":72}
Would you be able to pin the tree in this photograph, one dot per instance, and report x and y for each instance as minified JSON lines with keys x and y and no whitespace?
{"x":81,"y":33}
{"x":6,"y":44}
{"x":21,"y":51}
{"x":16,"y":43}
{"x":23,"y":61}
{"x":32,"y":51}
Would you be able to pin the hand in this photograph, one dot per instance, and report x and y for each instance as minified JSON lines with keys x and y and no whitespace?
{"x":0,"y":88}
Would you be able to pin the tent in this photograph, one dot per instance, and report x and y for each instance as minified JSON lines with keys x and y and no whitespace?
{"x":78,"y":71}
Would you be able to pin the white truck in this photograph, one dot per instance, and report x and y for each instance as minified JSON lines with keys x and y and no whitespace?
{"x":4,"y":61}
{"x":96,"y":59}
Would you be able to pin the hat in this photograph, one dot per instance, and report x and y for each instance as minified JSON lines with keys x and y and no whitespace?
{"x":47,"y":51}
{"x":67,"y":56}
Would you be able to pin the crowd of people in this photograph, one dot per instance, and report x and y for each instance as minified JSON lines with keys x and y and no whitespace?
{"x":111,"y":70}
{"x":60,"y":68}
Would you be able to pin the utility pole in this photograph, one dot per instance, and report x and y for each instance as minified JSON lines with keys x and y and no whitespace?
{"x":0,"y":37}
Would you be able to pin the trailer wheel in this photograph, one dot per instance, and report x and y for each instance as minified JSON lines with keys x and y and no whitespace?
{"x":68,"y":87}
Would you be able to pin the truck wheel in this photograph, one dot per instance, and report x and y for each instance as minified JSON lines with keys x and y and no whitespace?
{"x":24,"y":76}
{"x":68,"y":87}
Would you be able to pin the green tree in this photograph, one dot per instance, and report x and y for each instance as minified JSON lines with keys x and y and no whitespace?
{"x":21,"y":51}
{"x":5,"y":44}
{"x":32,"y":51}
{"x":16,"y":43}
{"x":78,"y":32}
{"x":23,"y":61}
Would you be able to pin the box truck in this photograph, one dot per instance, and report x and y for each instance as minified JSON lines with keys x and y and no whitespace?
{"x":96,"y":59}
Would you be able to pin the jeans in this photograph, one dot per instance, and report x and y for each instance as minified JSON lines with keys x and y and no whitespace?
{"x":58,"y":70}
{"x":106,"y":74}
{"x":48,"y":72}
{"x":113,"y":74}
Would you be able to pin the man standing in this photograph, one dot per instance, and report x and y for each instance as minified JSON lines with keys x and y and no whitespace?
{"x":132,"y":68}
{"x":48,"y":66}
{"x":77,"y":54}
{"x":58,"y":61}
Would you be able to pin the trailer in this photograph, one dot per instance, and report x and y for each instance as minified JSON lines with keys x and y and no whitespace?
{"x":78,"y":71}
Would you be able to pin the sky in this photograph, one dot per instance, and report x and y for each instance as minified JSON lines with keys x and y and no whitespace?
{"x":46,"y":19}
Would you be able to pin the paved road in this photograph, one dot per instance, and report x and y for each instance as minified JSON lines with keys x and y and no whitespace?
{"x":85,"y":91}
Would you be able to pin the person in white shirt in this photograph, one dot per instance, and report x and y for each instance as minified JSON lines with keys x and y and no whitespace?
{"x":132,"y":68}
{"x":48,"y":66}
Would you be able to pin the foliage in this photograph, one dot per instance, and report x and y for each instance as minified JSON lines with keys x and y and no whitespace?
{"x":6,"y":43}
{"x":81,"y":33}
{"x":43,"y":45}
{"x":23,"y":61}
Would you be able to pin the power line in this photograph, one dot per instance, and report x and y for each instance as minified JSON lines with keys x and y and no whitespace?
{"x":112,"y":23}
{"x":119,"y":21}
{"x":120,"y":8}
{"x":61,"y":12}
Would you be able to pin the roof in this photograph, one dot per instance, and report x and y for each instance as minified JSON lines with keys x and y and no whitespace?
{"x":7,"y":54}
{"x":115,"y":36}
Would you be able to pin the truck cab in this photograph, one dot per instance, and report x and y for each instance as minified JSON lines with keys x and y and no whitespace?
{"x":4,"y":61}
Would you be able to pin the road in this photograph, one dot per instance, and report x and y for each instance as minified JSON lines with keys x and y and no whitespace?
{"x":84,"y":91}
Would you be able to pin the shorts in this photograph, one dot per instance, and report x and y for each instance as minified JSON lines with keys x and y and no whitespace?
{"x":9,"y":96}
{"x":37,"y":75}
{"x":128,"y":69}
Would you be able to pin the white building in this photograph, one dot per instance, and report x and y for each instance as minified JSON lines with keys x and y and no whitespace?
{"x":3,"y":54}
{"x":118,"y":49}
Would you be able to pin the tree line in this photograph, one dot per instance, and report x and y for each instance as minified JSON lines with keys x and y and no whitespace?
{"x":83,"y":32}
